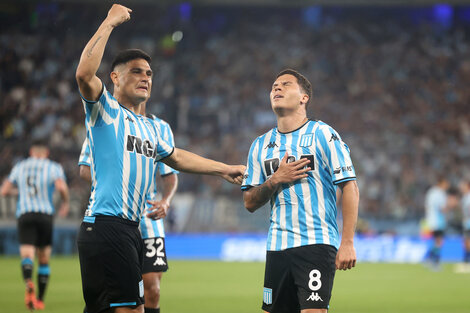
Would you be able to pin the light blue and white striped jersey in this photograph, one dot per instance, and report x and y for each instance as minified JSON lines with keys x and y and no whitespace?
{"x":85,"y":154}
{"x":466,"y":211}
{"x":435,"y":203}
{"x":303,"y":212}
{"x":124,"y":149}
{"x":35,"y":179}
{"x":150,"y":228}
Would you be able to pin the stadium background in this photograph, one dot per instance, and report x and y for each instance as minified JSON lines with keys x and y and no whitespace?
{"x":391,"y":77}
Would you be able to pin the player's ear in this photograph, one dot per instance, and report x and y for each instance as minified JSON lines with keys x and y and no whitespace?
{"x":115,"y":78}
{"x":304,"y":99}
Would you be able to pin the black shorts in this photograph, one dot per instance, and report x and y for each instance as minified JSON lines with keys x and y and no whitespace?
{"x":111,"y":256}
{"x":155,"y":255}
{"x":35,"y":229}
{"x":437,"y":233}
{"x":299,"y":278}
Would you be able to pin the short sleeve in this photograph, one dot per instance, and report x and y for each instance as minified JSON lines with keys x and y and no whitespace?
{"x":254,"y":175}
{"x":102,"y":112}
{"x":164,"y":147}
{"x":13,"y":177}
{"x":84,"y":158}
{"x":336,"y":155}
{"x":57,"y":172}
{"x":167,"y":135}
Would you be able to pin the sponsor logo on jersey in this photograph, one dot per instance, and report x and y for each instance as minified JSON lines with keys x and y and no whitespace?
{"x":129,"y":119}
{"x":340,"y":169}
{"x":314,"y":297}
{"x":145,"y":147}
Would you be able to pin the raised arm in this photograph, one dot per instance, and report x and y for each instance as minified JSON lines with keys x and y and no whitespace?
{"x":346,"y":256}
{"x":89,"y":84}
{"x":189,"y":162}
{"x":255,"y":197}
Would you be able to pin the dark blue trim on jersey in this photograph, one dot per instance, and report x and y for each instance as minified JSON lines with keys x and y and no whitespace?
{"x":89,"y":219}
{"x":83,"y":163}
{"x":112,"y":305}
{"x":172,"y":173}
{"x":344,"y":180}
{"x":294,"y":129}
{"x":173,"y":150}
{"x":90,"y":101}
{"x":248,"y":187}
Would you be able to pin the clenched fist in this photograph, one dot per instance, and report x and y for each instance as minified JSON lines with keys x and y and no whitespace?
{"x":118,"y":14}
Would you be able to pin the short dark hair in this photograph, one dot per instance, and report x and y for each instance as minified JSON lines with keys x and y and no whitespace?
{"x":128,"y":55}
{"x":301,"y":80}
{"x":39,"y":142}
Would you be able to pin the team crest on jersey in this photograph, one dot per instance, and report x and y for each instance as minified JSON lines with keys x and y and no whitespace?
{"x":268,"y":295}
{"x":306,"y":140}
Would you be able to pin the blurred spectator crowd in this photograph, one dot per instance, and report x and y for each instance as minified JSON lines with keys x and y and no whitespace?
{"x":396,"y":89}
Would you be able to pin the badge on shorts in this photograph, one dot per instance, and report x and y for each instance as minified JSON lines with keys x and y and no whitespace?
{"x":306,"y":140}
{"x":268,"y":295}
{"x":141,"y":288}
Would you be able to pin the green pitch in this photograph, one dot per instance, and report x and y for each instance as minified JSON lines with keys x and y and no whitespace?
{"x":212,"y":287}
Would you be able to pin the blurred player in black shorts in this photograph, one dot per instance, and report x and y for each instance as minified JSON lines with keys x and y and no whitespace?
{"x":35,"y":180}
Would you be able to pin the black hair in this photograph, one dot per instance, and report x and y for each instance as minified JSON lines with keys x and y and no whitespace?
{"x":303,"y":82}
{"x":128,"y":55}
{"x":39,"y":142}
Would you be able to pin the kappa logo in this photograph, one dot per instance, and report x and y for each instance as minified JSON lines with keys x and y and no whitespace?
{"x":129,"y":119}
{"x":271,"y":145}
{"x":159,"y":262}
{"x":314,"y":297}
{"x":333,"y":137}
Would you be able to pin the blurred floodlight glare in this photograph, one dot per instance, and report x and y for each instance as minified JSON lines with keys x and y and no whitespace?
{"x":177,"y":36}
{"x":185,"y":11}
{"x":443,"y":13}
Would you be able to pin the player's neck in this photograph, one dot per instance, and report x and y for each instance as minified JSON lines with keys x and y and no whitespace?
{"x":129,"y":104}
{"x":288,"y":123}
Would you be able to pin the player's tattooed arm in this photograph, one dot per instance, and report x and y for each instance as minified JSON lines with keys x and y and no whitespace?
{"x":90,"y":51}
{"x":89,"y":84}
{"x":255,"y":197}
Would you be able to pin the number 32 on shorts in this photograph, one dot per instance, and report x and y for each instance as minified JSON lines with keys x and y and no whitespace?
{"x":150,"y":244}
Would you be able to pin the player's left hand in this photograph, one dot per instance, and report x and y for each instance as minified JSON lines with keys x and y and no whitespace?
{"x":158,"y":210}
{"x":346,"y":257}
{"x":235,"y":174}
